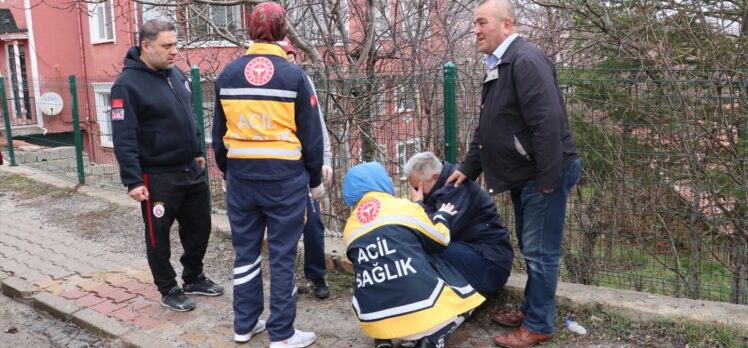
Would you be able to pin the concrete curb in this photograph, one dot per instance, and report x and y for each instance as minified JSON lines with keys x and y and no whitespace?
{"x":643,"y":307}
{"x":632,"y":305}
{"x":18,"y":288}
{"x":94,"y":321}
{"x":56,"y":306}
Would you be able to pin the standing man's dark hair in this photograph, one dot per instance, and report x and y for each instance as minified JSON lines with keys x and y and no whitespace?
{"x":157,"y":144}
{"x":267,"y":141}
{"x":523,"y":144}
{"x":150,"y":29}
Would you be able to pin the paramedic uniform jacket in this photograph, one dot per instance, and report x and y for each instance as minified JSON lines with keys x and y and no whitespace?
{"x":266,"y":124}
{"x":401,"y":290}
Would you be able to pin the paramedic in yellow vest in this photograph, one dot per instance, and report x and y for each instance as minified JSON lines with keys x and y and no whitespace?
{"x":268,"y":143}
{"x":404,"y":289}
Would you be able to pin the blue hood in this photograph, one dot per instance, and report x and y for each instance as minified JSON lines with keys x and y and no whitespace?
{"x":364,"y":178}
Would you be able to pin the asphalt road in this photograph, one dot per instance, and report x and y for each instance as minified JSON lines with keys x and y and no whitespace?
{"x":22,"y":326}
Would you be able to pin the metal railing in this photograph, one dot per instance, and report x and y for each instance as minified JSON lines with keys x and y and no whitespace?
{"x":663,"y":202}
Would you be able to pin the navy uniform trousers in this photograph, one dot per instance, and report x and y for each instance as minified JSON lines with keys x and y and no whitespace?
{"x":182,"y":196}
{"x":314,"y":242}
{"x":253,"y":205}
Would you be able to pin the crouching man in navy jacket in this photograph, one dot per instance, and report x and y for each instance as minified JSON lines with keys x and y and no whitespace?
{"x":404,"y":289}
{"x":480,"y":249}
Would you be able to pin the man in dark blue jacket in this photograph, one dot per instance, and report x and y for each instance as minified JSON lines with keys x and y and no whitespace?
{"x":157,"y":145}
{"x":480,"y":249}
{"x":523,"y":144}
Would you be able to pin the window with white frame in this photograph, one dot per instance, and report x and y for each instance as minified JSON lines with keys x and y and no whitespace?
{"x":405,"y":150}
{"x":102,"y":93}
{"x":381,"y":11}
{"x":207,"y":22}
{"x":415,"y":17}
{"x":405,"y":97}
{"x":159,"y":9}
{"x":311,"y":19}
{"x":101,"y":21}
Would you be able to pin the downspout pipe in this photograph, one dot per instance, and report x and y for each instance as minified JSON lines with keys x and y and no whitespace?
{"x":34,"y":64}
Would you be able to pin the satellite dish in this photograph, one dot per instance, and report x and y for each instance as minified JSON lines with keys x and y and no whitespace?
{"x":50,"y":103}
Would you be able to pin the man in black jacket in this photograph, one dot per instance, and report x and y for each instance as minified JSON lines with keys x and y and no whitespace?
{"x":157,"y":145}
{"x":480,"y":248}
{"x":523,"y":144}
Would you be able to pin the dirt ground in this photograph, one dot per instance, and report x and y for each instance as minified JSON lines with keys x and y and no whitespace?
{"x":121,"y":229}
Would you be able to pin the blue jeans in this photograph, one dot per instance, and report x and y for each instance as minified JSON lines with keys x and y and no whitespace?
{"x":314,"y":242}
{"x":540,"y":226}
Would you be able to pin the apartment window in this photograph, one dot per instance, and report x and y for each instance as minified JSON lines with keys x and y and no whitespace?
{"x":159,"y":9}
{"x":415,"y":17}
{"x":381,"y":10}
{"x":205,"y":22}
{"x":102,"y":93}
{"x":405,"y":97}
{"x":311,"y":20}
{"x":405,"y":150}
{"x":101,"y":21}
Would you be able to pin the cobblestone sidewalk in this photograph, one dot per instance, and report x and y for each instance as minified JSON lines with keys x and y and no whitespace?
{"x":113,"y":293}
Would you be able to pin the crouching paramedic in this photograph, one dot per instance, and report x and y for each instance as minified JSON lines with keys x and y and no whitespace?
{"x":268,"y":143}
{"x":403,"y":289}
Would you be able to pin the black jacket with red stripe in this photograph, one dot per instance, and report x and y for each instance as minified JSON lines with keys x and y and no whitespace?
{"x":153,"y":122}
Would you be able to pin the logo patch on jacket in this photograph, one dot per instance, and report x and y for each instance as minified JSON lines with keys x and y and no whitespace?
{"x":368,"y":211}
{"x":313,"y":101}
{"x":118,"y":114}
{"x":118,"y":111}
{"x":259,"y":71}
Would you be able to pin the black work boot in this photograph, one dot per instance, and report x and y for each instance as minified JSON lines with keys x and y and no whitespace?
{"x":321,"y":288}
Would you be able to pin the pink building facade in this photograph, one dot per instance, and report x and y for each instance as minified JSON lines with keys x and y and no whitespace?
{"x":45,"y":42}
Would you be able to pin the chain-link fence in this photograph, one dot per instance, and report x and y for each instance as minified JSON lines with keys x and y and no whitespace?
{"x":662,"y":205}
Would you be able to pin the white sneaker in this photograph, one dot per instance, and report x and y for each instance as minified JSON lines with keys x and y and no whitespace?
{"x":299,"y":339}
{"x":259,"y":327}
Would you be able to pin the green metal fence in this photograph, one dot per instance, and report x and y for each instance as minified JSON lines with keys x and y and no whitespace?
{"x":662,"y":206}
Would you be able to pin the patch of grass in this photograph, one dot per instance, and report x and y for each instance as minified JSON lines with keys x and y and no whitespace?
{"x":340,"y":281}
{"x":632,"y":267}
{"x":26,"y":187}
{"x":62,"y":192}
{"x":101,"y":215}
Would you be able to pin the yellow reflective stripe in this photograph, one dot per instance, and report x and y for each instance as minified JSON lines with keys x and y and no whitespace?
{"x":448,"y":305}
{"x":399,"y":310}
{"x":254,"y":152}
{"x":261,"y":92}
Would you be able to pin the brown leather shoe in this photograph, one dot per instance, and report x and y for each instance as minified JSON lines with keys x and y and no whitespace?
{"x":521,"y":338}
{"x":508,"y":317}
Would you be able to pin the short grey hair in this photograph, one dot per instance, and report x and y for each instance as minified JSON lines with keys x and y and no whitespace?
{"x":424,"y":163}
{"x":149,"y":30}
